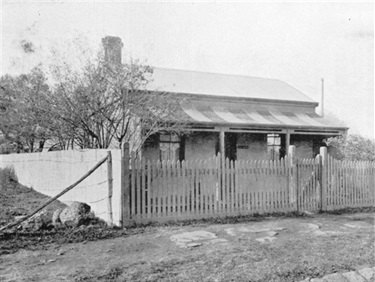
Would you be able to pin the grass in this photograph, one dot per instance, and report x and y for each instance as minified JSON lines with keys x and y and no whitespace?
{"x":18,"y":200}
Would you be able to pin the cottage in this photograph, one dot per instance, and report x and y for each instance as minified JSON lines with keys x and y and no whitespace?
{"x":242,"y":117}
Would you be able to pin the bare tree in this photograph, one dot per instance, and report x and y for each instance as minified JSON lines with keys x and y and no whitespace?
{"x":103,"y":105}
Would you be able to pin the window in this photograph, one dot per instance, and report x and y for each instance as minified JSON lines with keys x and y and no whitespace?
{"x":273,"y":146}
{"x":169,"y":147}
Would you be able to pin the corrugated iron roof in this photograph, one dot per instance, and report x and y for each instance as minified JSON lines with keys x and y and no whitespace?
{"x":202,"y":83}
{"x":250,"y":116}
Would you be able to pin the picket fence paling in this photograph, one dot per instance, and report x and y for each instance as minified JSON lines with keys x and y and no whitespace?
{"x":178,"y":189}
{"x":219,"y":187}
{"x":350,"y":183}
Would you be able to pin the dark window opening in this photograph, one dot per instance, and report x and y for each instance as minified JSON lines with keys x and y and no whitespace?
{"x":172,"y":147}
{"x":274,"y":146}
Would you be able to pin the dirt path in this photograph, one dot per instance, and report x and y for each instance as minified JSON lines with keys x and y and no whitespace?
{"x":276,"y":249}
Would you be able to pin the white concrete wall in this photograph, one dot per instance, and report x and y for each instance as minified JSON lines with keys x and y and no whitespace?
{"x":51,"y":172}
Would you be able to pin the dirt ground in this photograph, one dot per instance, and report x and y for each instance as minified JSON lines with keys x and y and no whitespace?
{"x":273,"y":249}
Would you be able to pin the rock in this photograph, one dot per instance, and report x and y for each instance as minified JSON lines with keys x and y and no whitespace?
{"x":353,"y":276}
{"x":193,"y":245}
{"x":76,"y":214}
{"x":186,"y":238}
{"x":56,"y":217}
{"x":265,"y":239}
{"x":51,"y":260}
{"x":18,"y":217}
{"x":41,"y":220}
{"x":368,"y":273}
{"x":334,"y":277}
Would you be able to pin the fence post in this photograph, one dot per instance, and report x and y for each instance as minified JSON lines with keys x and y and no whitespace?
{"x":110,"y":186}
{"x":292,"y":176}
{"x":324,"y":176}
{"x":125,"y":187}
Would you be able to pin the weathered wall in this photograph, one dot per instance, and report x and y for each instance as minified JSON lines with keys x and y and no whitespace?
{"x":304,"y":146}
{"x":251,"y":146}
{"x":201,"y":145}
{"x":51,"y":172}
{"x":151,"y":150}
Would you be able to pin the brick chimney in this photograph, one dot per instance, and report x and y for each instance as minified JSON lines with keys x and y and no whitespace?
{"x":112,"y":50}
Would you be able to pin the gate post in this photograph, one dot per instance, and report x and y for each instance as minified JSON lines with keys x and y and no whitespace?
{"x":292,"y":176}
{"x":125,"y":185}
{"x":324,"y":177}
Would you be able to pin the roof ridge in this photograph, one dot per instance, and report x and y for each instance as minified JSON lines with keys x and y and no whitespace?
{"x":214,"y":73}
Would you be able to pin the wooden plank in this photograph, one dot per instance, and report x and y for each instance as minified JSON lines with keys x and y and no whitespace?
{"x":201,"y":187}
{"x":193,"y":188}
{"x":169,"y":191}
{"x":138,"y":188}
{"x":208,"y":190}
{"x":163,"y":189}
{"x":144,"y":201}
{"x":247,"y":187}
{"x":216,"y":175}
{"x":149,"y":190}
{"x":133,"y":184}
{"x":179,"y":188}
{"x":348,"y":178}
{"x":226,"y":186}
{"x":281,"y":194}
{"x":211,"y":186}
{"x":172,"y":189}
{"x":369,"y":185}
{"x":190,"y":185}
{"x":158,"y":188}
{"x":345,"y":176}
{"x":240,"y":181}
{"x":329,"y":181}
{"x":125,"y":185}
{"x":110,"y":187}
{"x":184,"y":188}
{"x":237,"y":186}
{"x":335,"y":183}
{"x":232,"y":188}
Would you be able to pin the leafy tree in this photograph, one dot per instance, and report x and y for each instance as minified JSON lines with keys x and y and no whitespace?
{"x":352,"y":147}
{"x":24,"y":107}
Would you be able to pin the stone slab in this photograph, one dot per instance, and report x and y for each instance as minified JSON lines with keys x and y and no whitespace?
{"x":368,"y":273}
{"x":353,"y":276}
{"x":188,"y":239}
{"x":335,"y":277}
{"x":316,"y":280}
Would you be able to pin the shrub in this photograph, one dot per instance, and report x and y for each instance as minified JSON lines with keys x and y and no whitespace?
{"x":352,"y":148}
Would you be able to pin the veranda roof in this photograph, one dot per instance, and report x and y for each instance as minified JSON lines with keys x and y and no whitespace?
{"x":255,"y":116}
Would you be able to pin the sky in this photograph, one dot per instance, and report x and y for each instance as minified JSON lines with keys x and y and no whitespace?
{"x":297,"y":42}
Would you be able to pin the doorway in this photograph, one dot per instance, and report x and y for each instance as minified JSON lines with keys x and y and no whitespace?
{"x":231,"y":146}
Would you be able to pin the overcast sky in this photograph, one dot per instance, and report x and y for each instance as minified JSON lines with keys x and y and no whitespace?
{"x":297,"y":42}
